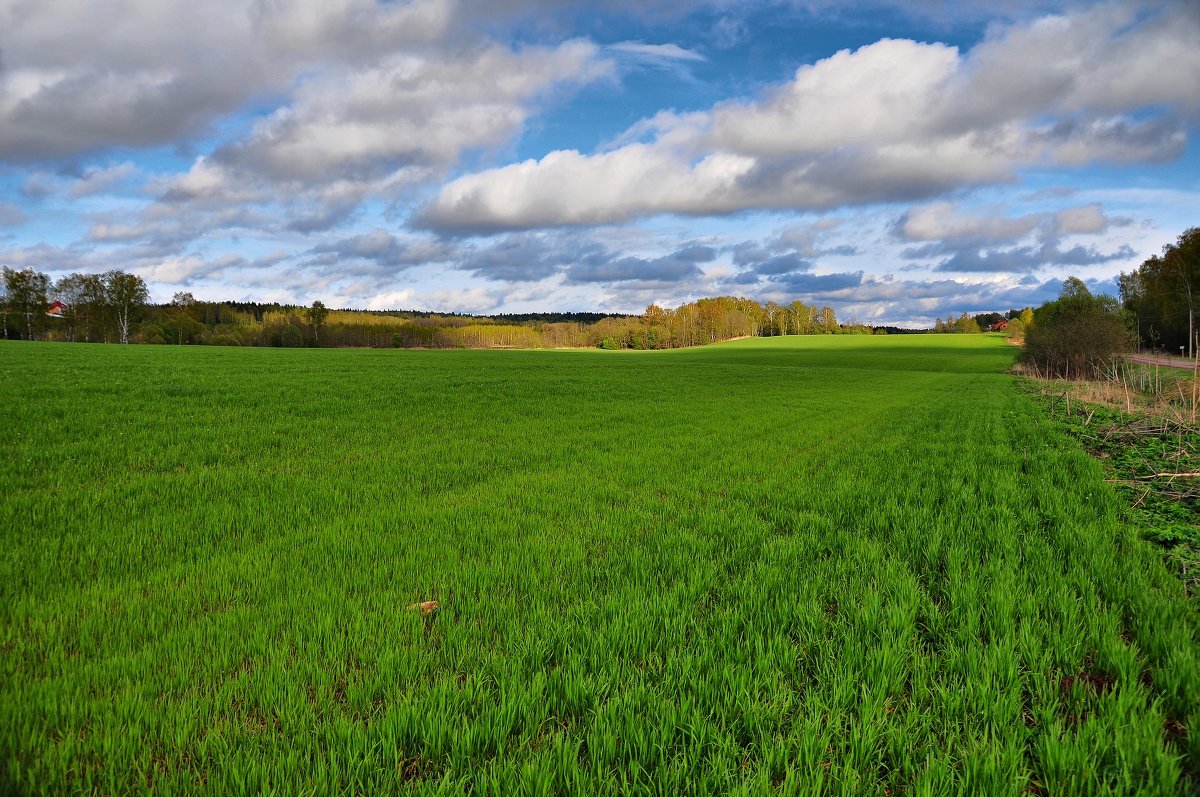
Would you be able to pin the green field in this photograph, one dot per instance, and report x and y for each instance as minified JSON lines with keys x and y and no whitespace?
{"x":807,"y":565}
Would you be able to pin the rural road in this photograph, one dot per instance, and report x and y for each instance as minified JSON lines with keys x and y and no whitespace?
{"x":1163,"y":360}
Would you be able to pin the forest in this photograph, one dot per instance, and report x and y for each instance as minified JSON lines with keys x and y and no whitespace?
{"x":114,"y":307}
{"x":1161,"y":295}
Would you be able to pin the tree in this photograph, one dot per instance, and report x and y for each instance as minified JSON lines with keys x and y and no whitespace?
{"x":1163,"y":292}
{"x":83,"y":295}
{"x":772,"y":313}
{"x":316,"y":318}
{"x":1182,"y":261}
{"x":988,"y":320}
{"x":1075,"y":335}
{"x":27,"y":291}
{"x":182,"y":315}
{"x":125,"y":295}
{"x":965,"y":325}
{"x":69,"y":290}
{"x":1015,"y":330}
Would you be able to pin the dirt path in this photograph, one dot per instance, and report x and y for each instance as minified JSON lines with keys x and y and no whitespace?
{"x":1162,"y":359}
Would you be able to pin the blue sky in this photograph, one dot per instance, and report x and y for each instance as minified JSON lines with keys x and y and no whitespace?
{"x":898,"y":161}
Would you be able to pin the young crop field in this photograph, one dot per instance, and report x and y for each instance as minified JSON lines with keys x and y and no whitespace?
{"x":803,"y":565}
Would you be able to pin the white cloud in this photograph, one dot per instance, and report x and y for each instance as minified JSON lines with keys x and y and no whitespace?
{"x":85,"y":75}
{"x":655,"y":53}
{"x":100,"y":180}
{"x":1086,"y":219}
{"x":408,"y":111}
{"x":878,"y":93}
{"x":566,"y":187}
{"x":894,"y":120}
{"x":943,"y":220}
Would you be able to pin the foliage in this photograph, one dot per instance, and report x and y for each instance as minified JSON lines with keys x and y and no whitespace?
{"x":126,"y":295}
{"x":289,"y":337}
{"x":965,"y":325}
{"x":1153,"y":459}
{"x":827,"y":565}
{"x":25,"y":295}
{"x":85,"y":300}
{"x":1076,"y":335}
{"x":1015,"y":330}
{"x":974,"y":324}
{"x":317,"y":316}
{"x":186,"y":320}
{"x":1162,"y":294}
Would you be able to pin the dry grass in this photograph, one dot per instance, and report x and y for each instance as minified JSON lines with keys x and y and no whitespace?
{"x":1168,"y":395}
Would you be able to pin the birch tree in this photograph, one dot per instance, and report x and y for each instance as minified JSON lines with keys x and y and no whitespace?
{"x":27,"y":291}
{"x":126,"y":294}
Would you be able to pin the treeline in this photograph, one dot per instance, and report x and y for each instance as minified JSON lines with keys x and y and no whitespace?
{"x":1081,"y":335}
{"x":696,"y":323}
{"x":1013,"y":323}
{"x":711,"y":320}
{"x":87,"y":307}
{"x":1161,"y":295}
{"x":113,"y":307}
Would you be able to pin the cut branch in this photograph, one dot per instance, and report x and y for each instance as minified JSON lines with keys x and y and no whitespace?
{"x":1172,"y":476}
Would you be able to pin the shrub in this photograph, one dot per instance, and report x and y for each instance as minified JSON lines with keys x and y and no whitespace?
{"x":1073,"y":336}
{"x":289,"y":337}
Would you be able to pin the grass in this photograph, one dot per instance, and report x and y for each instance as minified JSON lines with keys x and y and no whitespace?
{"x":1141,"y":424}
{"x":859,"y":565}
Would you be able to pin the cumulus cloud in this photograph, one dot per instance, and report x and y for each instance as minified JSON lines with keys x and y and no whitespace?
{"x":372,"y":131}
{"x":819,"y":285}
{"x":374,"y":123}
{"x":314,"y":129}
{"x":1024,"y":258}
{"x":381,"y":248}
{"x":675,"y":267}
{"x":992,"y":242}
{"x":943,"y":221}
{"x":407,"y":111}
{"x":580,"y":260}
{"x":792,"y":250}
{"x":171,"y":67}
{"x":894,"y":120}
{"x":100,"y":180}
{"x":527,"y":257}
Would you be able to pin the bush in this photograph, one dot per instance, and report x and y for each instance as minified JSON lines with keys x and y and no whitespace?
{"x":1075,"y":335}
{"x":150,"y":332}
{"x":1015,"y":330}
{"x":289,"y":337}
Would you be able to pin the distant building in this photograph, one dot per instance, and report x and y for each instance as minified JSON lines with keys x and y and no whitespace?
{"x":56,"y":310}
{"x":999,"y":326}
